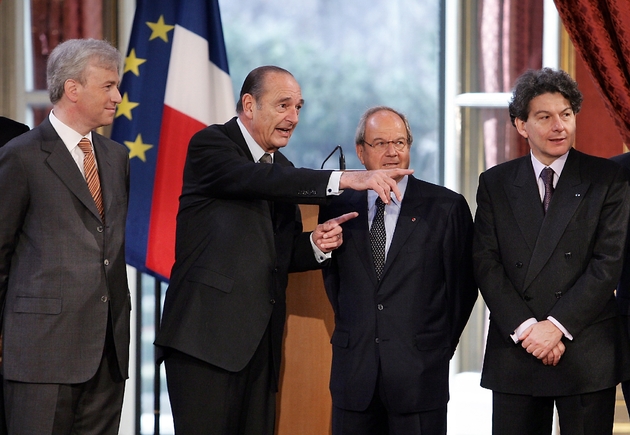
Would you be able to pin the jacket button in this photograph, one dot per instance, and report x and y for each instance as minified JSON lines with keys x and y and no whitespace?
{"x":103,"y":298}
{"x":519,"y":264}
{"x":558,"y":295}
{"x":527,"y":298}
{"x":380,"y":307}
{"x":567,"y":255}
{"x":377,"y":340}
{"x":106,"y":262}
{"x":99,"y":229}
{"x":272,"y":301}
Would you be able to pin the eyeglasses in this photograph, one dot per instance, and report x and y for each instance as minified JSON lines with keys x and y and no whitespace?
{"x":381,"y":145}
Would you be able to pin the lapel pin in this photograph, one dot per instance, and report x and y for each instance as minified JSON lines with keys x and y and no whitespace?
{"x":413,"y":219}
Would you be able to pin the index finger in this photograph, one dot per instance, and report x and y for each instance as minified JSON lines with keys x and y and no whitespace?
{"x":345,"y":217}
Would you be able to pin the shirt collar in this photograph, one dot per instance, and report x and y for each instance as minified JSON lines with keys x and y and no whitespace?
{"x":557,"y":165}
{"x":69,"y":137}
{"x":402,"y":186}
{"x":254,"y":148}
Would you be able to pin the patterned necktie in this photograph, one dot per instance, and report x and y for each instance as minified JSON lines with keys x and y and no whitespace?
{"x":378,"y":237}
{"x":547,"y":176}
{"x":91,"y":175}
{"x":266,"y":158}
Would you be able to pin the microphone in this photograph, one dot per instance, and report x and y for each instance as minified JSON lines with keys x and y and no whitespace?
{"x":342,"y":159}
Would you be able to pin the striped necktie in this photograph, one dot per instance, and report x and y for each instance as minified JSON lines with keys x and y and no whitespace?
{"x":91,"y":175}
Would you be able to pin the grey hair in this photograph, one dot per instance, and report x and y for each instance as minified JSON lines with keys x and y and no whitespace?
{"x":359,"y":137}
{"x":70,"y":59}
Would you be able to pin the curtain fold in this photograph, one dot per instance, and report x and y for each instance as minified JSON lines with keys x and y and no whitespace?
{"x":510,"y":42}
{"x":600,"y":32}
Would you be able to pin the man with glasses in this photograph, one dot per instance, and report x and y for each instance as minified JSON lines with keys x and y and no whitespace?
{"x":402,"y":290}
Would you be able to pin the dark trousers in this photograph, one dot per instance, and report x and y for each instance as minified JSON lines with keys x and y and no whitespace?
{"x":378,"y":420}
{"x":582,"y":414}
{"x":88,"y":408}
{"x":207,"y":400}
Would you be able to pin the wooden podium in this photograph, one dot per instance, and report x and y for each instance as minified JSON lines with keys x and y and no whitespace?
{"x":304,"y":403}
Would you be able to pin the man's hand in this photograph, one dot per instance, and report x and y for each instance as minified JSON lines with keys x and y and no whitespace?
{"x":553,"y":357}
{"x":541,"y":338}
{"x":328,"y":236}
{"x":382,"y":181}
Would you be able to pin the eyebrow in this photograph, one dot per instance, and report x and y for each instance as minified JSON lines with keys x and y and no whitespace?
{"x":547,"y":111}
{"x":285,"y":99}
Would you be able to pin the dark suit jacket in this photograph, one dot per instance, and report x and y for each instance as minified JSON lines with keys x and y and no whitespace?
{"x":232,"y":257}
{"x":565,"y":265}
{"x":623,"y":289}
{"x":10,"y":129}
{"x":410,"y":322}
{"x":62,"y":271}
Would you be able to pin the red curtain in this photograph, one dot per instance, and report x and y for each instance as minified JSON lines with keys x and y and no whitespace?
{"x":54,"y":21}
{"x":600,"y":32}
{"x":510,"y":42}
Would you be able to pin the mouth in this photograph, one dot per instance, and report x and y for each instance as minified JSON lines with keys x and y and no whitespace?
{"x":557,"y":140}
{"x":390,"y":165}
{"x":285,"y":132}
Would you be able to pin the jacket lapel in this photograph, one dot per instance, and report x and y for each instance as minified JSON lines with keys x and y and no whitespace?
{"x":411,"y":218}
{"x":567,"y":196}
{"x":525,"y":202}
{"x":360,"y":232}
{"x":62,"y":163}
{"x":104,"y":172}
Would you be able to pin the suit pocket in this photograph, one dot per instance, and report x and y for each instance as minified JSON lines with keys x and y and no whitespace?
{"x":211,"y":278}
{"x":37,"y":305}
{"x":431,"y":340}
{"x":340,"y":339}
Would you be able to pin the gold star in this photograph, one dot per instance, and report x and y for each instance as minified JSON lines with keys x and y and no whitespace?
{"x":138,"y":148}
{"x":125,"y":107}
{"x":159,"y":29}
{"x":132,"y":63}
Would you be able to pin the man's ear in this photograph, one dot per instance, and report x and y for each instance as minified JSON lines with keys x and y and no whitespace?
{"x":71,"y":90}
{"x":520,"y":127}
{"x":360,"y":150}
{"x":248,"y":105}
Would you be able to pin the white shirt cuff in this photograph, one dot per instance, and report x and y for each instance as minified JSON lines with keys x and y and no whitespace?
{"x":333,"y":184}
{"x":320,"y":255}
{"x":560,"y":327}
{"x":519,"y":331}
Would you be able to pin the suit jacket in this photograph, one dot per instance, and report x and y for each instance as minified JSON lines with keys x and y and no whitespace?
{"x":408,"y":324}
{"x":62,"y":270}
{"x":623,"y":289}
{"x":564,"y":264}
{"x":239,"y":233}
{"x":10,"y":129}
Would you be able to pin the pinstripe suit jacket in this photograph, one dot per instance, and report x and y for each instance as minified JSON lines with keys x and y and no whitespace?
{"x":62,"y":270}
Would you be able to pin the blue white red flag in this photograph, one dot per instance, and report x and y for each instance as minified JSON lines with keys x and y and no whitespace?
{"x":175,"y":82}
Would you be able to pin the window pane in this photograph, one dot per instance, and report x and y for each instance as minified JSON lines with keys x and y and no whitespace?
{"x":347,"y":56}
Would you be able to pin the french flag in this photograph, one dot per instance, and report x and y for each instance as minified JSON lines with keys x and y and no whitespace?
{"x":175,"y":82}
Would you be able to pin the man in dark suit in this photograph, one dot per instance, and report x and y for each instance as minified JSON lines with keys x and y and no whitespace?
{"x":239,"y":234}
{"x":547,"y":253}
{"x":623,"y":289}
{"x":398,"y":320}
{"x":10,"y":129}
{"x":63,"y":277}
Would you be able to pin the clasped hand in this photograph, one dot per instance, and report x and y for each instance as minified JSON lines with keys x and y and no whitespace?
{"x":543,"y":340}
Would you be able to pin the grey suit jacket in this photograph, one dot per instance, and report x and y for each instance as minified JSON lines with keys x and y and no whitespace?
{"x":565,"y":264}
{"x":62,"y":270}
